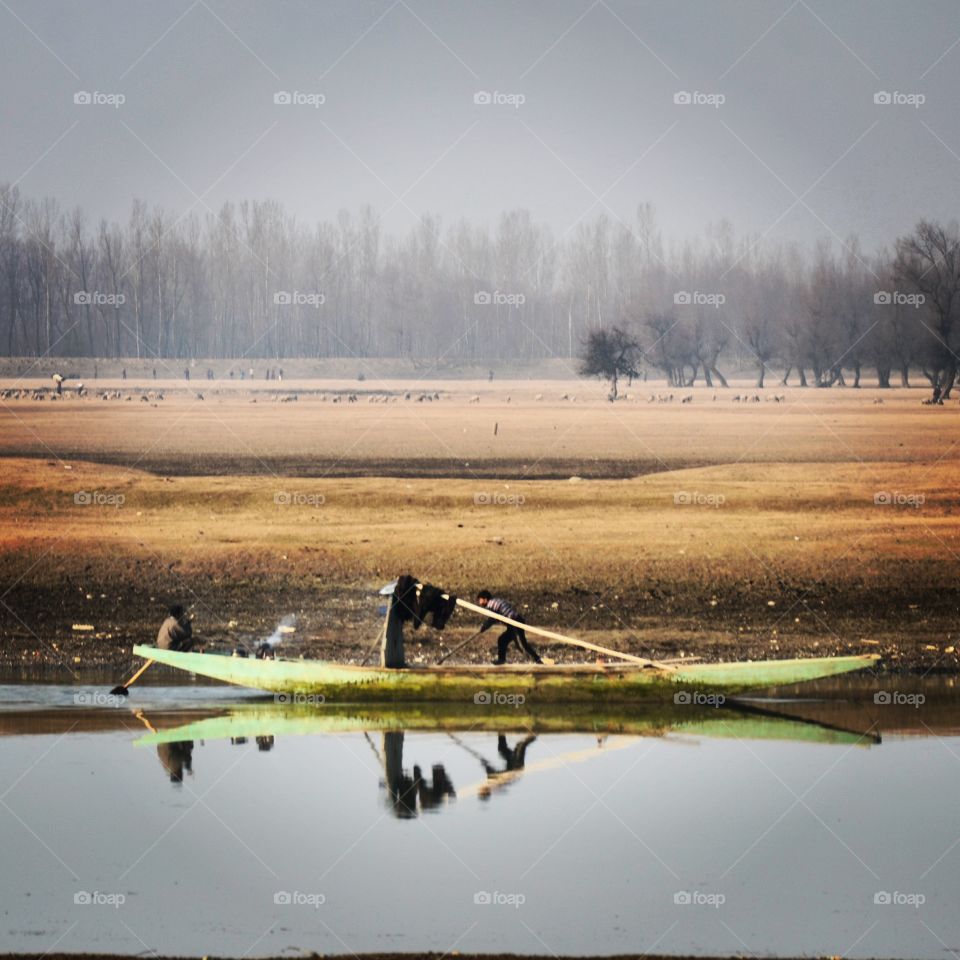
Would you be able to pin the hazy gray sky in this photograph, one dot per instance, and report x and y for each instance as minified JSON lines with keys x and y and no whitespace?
{"x":798,"y":148}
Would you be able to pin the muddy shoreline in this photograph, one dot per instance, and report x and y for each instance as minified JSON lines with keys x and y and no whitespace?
{"x":39,"y":635}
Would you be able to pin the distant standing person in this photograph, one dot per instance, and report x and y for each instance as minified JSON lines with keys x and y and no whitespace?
{"x":176,"y":632}
{"x":186,"y":373}
{"x":498,"y":605}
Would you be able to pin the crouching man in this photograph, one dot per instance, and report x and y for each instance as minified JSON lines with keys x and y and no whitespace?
{"x":176,"y":632}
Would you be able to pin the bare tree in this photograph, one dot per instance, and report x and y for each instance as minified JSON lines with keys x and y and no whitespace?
{"x":929,"y":262}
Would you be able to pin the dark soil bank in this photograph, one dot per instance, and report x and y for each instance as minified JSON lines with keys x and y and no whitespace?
{"x":73,"y":627}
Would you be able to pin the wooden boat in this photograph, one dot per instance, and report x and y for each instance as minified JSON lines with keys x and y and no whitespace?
{"x":330,"y":682}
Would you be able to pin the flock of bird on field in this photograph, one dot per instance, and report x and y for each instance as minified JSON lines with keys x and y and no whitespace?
{"x":80,"y":391}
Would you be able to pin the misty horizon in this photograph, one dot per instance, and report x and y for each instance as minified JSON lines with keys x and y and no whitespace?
{"x":795,"y":121}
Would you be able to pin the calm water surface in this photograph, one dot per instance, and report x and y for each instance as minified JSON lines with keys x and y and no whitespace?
{"x":199,"y":821}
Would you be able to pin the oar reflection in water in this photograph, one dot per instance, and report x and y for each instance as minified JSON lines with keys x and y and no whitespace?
{"x":515,"y":760}
{"x":406,"y":795}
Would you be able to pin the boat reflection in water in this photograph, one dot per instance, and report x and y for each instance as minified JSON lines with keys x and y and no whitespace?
{"x":409,"y":792}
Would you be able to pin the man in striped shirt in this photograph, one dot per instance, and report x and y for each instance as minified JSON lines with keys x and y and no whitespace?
{"x":498,"y":605}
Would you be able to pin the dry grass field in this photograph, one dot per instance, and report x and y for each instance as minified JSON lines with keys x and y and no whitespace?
{"x":713,"y":527}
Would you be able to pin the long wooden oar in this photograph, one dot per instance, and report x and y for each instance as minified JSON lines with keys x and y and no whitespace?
{"x":550,"y":635}
{"x":460,"y":646}
{"x":121,"y":690}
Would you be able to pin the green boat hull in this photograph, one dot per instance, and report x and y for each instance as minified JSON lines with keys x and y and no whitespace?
{"x":507,"y":685}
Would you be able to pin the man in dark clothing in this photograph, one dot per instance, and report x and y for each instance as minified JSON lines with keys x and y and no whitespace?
{"x":176,"y":632}
{"x":498,"y":605}
{"x":433,"y":603}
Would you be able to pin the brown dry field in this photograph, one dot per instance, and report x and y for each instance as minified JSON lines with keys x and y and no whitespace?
{"x":783,"y":550}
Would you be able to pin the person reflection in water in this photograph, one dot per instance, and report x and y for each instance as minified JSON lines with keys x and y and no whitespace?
{"x":175,"y":758}
{"x":514,"y":758}
{"x":404,"y":792}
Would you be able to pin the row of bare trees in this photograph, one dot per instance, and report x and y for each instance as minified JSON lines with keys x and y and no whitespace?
{"x":251,"y":280}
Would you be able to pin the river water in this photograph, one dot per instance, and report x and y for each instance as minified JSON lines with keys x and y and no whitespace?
{"x":202,"y":820}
